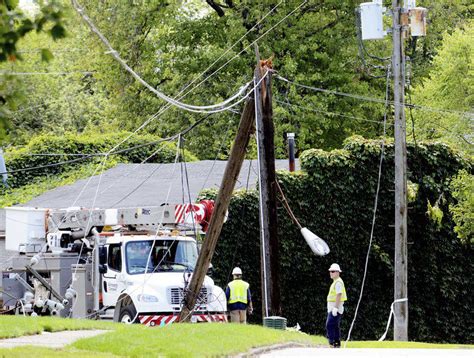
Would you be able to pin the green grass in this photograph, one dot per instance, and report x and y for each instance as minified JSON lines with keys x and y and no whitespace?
{"x":191,"y":340}
{"x":16,"y":326}
{"x":172,"y":341}
{"x":136,"y":340}
{"x":40,"y":352}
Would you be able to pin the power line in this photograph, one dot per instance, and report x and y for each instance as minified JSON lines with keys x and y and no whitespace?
{"x":36,"y":106}
{"x":39,"y":50}
{"x":286,"y":103}
{"x":192,"y":108}
{"x":207,"y":69}
{"x":157,"y":114}
{"x":164,"y":109}
{"x":187,"y":130}
{"x":45,"y":73}
{"x":253,"y":42}
{"x":372,"y":99}
{"x":374,"y":214}
{"x":88,"y":156}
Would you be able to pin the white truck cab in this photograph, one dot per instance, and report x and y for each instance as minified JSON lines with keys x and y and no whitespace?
{"x":144,"y":277}
{"x":91,"y":263}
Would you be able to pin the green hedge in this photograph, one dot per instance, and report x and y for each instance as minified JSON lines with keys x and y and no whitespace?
{"x":334,"y":196}
{"x":19,"y":158}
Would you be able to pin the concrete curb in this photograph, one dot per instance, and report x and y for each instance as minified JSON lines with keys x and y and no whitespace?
{"x":261,"y":350}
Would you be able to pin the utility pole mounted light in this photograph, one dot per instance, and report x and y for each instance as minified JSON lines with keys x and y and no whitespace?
{"x":315,"y":243}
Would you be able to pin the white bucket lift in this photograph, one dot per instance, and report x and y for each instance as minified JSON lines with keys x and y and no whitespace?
{"x":24,"y":227}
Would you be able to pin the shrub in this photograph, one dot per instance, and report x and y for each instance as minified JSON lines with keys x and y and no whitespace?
{"x":69,"y":144}
{"x":333,"y":196}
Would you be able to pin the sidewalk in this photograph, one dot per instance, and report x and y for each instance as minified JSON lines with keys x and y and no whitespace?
{"x":50,"y":340}
{"x":370,"y":353}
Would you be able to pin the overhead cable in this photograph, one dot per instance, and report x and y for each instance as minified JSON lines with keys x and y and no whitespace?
{"x":373,"y":99}
{"x":44,"y":73}
{"x":36,"y":106}
{"x":192,"y":108}
{"x":182,"y":133}
{"x":161,"y":111}
{"x":228,"y":50}
{"x":286,"y":103}
{"x":154,"y":116}
{"x":253,"y":42}
{"x":374,"y":212}
{"x":114,"y":152}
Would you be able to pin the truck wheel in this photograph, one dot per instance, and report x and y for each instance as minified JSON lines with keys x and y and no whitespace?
{"x":127,"y":314}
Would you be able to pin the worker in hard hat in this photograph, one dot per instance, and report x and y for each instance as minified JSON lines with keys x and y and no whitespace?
{"x":335,"y":306}
{"x":239,"y":299}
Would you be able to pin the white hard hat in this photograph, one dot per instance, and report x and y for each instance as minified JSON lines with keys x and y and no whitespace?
{"x":236,"y":271}
{"x":335,"y":267}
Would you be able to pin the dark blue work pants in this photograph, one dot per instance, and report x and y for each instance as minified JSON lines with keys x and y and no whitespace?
{"x":333,"y":328}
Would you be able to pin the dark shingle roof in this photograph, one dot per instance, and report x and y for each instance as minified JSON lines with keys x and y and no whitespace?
{"x":135,"y":185}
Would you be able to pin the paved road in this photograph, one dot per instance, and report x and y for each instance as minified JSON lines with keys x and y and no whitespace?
{"x":50,"y":340}
{"x":370,"y":353}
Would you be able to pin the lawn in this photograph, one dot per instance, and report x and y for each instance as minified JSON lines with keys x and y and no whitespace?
{"x":15,"y":326}
{"x":177,"y":340}
{"x":136,"y":340}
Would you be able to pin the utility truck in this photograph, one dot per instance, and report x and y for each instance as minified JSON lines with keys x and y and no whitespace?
{"x":130,"y":265}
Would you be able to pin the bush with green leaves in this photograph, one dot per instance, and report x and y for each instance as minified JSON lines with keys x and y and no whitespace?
{"x":68,"y":145}
{"x":463,"y":210}
{"x":333,"y":196}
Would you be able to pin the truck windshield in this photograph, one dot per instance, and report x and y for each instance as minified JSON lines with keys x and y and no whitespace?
{"x":162,"y":255}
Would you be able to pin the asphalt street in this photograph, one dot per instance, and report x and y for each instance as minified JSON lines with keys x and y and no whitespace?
{"x":369,"y":353}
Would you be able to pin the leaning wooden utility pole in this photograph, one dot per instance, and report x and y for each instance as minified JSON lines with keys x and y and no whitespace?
{"x":400,"y":331}
{"x":270,"y":260}
{"x":232,"y":170}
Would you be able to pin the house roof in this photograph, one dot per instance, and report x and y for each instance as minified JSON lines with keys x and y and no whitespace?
{"x":138,"y":185}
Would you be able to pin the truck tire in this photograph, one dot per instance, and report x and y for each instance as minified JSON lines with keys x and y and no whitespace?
{"x":127,"y":314}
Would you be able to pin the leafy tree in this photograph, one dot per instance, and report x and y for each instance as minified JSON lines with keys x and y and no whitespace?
{"x":171,"y":43}
{"x":450,"y":86}
{"x":463,"y":211}
{"x":317,"y":46}
{"x":64,"y":94}
{"x":14,"y":25}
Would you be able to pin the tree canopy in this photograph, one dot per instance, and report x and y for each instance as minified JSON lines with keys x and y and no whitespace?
{"x":15,"y":24}
{"x":450,"y":86}
{"x":173,"y":45}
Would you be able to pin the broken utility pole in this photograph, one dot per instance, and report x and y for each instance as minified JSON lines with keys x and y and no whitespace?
{"x":270,"y":269}
{"x":231,"y":174}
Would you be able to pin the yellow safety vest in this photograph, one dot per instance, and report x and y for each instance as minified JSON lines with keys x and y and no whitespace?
{"x":238,"y":291}
{"x":332,"y":291}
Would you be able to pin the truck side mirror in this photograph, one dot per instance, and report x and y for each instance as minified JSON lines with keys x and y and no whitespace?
{"x":102,"y":255}
{"x":102,"y":268}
